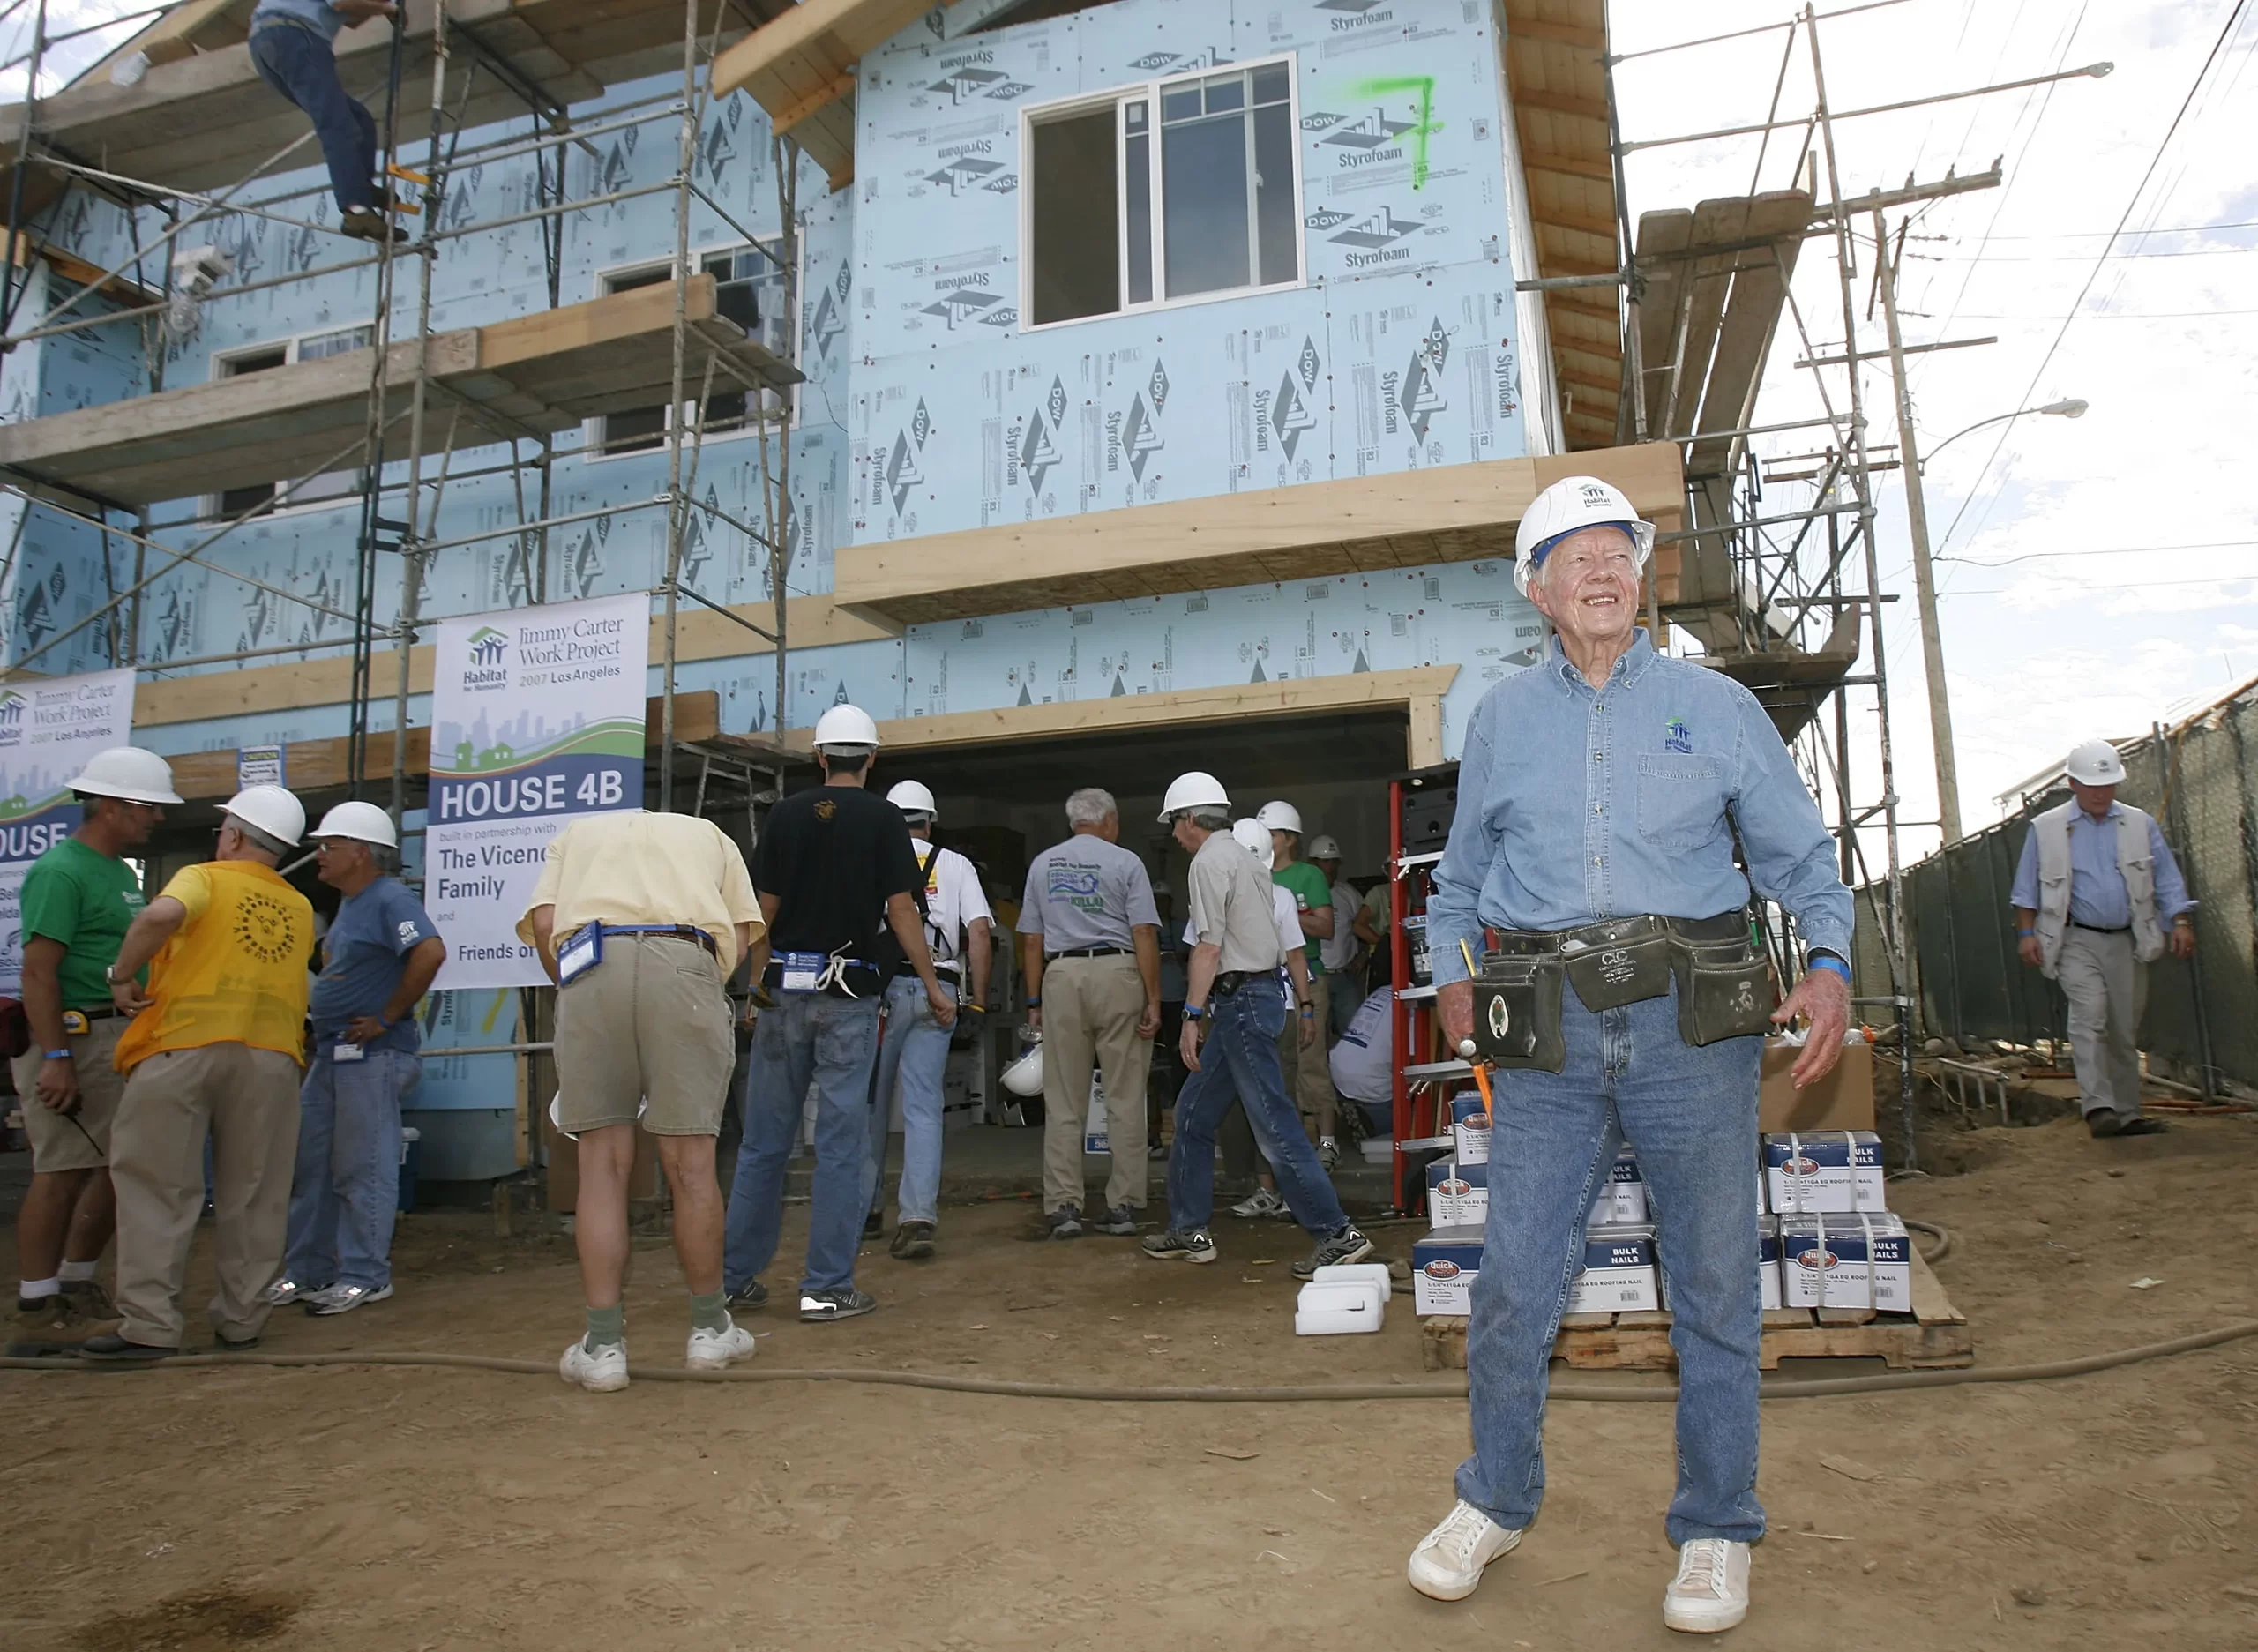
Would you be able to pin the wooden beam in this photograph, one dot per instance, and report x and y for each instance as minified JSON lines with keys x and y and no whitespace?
{"x":792,"y":114}
{"x":1567,"y":165}
{"x":316,"y":766}
{"x":779,"y":54}
{"x":1530,"y":27}
{"x":1361,"y":691}
{"x":812,"y":621}
{"x":1562,"y":103}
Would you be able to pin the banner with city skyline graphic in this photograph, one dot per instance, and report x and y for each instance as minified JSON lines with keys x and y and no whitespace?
{"x":47,"y":730}
{"x":536,"y":716}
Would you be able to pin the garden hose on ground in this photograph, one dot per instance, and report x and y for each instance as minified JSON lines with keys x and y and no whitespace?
{"x":1442,"y":1388}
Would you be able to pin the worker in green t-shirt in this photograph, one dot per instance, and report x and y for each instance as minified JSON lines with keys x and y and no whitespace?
{"x":1309,"y":1079}
{"x":78,"y":898}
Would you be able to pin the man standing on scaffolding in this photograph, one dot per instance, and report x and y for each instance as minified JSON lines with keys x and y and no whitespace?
{"x":294,"y":47}
{"x":1592,"y":867}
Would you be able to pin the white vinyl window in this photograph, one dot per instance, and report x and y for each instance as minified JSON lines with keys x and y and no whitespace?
{"x":1171,"y":191}
{"x":749,"y":289}
{"x":261,"y":358}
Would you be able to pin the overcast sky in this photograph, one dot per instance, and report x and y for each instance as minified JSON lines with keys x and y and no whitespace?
{"x":2098,"y":574}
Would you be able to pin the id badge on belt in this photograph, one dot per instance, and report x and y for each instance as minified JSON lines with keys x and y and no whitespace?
{"x":800,"y":971}
{"x":583,"y":953}
{"x":348,"y":1052}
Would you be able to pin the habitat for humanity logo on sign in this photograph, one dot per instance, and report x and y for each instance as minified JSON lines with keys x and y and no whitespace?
{"x":12,"y":718}
{"x":485,"y":671}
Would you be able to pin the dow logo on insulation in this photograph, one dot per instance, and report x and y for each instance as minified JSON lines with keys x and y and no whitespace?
{"x":1419,"y":395}
{"x":902,"y":472}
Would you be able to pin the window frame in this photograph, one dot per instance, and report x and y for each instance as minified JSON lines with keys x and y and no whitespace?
{"x":1032,"y":115}
{"x":210,"y":507}
{"x":592,"y":439}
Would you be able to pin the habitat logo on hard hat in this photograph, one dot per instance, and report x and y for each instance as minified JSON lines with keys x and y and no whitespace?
{"x":12,"y":718}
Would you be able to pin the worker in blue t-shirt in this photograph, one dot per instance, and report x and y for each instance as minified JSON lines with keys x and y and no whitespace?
{"x":379,"y":958}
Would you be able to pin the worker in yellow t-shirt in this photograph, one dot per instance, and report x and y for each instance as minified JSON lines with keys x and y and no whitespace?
{"x":214,"y":1052}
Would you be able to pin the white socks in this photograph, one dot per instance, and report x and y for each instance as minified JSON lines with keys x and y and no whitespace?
{"x":79,"y":1272}
{"x":38,"y":1289}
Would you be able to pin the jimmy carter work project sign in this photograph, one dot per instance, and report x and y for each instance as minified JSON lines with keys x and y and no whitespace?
{"x":536,"y":716}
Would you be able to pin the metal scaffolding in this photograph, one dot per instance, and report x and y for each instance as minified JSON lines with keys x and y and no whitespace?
{"x":398,"y":516}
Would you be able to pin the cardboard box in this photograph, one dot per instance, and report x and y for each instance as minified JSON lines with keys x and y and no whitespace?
{"x":1618,"y":1273}
{"x":1624,"y":1200}
{"x":1837,"y":1170}
{"x":1471,"y":1141}
{"x":1444,"y":1267}
{"x":1458,"y":1196}
{"x":1844,"y":1100}
{"x":1846,"y":1261}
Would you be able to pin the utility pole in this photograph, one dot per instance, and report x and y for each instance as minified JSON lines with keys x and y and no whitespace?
{"x":1917,"y":522}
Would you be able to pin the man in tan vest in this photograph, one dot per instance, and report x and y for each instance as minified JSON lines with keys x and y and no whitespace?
{"x":2093,"y":896}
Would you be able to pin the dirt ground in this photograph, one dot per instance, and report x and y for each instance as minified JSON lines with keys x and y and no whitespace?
{"x":398,"y":1510}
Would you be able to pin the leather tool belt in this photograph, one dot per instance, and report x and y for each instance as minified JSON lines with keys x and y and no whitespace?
{"x":1724,"y":984}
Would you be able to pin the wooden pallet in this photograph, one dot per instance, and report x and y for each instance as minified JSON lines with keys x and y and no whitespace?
{"x":1935,"y":1336}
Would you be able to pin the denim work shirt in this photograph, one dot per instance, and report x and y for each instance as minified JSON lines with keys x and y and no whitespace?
{"x":2098,"y":896}
{"x":1577,"y":804}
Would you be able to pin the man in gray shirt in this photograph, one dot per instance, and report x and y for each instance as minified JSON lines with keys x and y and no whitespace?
{"x":1089,"y":947}
{"x":1233,"y":992}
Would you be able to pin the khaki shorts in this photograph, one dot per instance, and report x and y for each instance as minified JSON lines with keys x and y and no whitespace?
{"x":58,"y":1142}
{"x":650,"y":1021}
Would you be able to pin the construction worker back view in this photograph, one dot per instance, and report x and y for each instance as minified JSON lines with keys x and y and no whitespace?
{"x":214,"y":1053}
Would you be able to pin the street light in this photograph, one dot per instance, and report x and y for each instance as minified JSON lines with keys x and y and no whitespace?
{"x":2069,"y":408}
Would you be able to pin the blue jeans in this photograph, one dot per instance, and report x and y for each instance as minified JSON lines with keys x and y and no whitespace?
{"x":303,"y":67}
{"x":1240,"y":1061}
{"x":1691,"y":1116}
{"x":915,"y":1050}
{"x":831,"y":1041}
{"x":344,"y":1189}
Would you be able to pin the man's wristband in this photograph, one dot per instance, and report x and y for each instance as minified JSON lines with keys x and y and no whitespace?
{"x":1193,"y":1011}
{"x":2024,"y":935}
{"x":1829,"y":962}
{"x":59,"y":1055}
{"x":1035,"y":1003}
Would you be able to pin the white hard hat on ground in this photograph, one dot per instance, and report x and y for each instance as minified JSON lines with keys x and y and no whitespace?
{"x":1280,"y":816}
{"x":1254,"y":837}
{"x":1322,"y":848}
{"x":362,"y":822}
{"x":911,"y":797}
{"x":1024,"y":1076}
{"x":846,"y":728}
{"x":272,"y":810}
{"x":127,"y":772}
{"x":2096,"y":763}
{"x":1569,"y":507}
{"x":1194,"y":790}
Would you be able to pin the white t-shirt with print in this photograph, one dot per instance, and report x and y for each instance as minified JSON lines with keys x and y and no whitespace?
{"x":953,"y":900}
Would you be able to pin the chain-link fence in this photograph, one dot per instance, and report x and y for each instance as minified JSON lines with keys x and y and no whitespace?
{"x":2197,"y":779}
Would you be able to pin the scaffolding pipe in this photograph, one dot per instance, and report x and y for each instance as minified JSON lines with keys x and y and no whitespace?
{"x":678,"y":520}
{"x":14,"y":291}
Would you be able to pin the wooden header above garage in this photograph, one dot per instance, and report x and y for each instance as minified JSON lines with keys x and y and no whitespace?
{"x":1316,"y":530}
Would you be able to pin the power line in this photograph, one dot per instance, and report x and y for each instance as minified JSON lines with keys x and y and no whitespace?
{"x":2090,"y":235}
{"x":2107,"y":315}
{"x":2109,"y":550}
{"x":2233,"y":20}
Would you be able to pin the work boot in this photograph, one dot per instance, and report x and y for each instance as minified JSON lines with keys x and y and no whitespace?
{"x":44,"y":1327}
{"x":1065,"y":1222}
{"x":364,"y":225}
{"x":913,"y":1241}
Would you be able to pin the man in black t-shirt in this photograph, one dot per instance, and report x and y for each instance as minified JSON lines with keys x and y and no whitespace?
{"x":834,"y":872}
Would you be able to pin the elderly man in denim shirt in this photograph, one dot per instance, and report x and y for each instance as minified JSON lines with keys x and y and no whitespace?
{"x":1606,"y":783}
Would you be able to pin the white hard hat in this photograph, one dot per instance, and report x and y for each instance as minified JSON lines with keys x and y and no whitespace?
{"x":911,"y":797}
{"x":1322,"y":848}
{"x":2096,"y":763}
{"x":272,"y":810}
{"x":364,"y":822}
{"x":1569,"y":504}
{"x":1254,"y":837}
{"x":846,"y":728}
{"x":1024,"y":1077}
{"x":127,"y":772}
{"x":1280,"y":816}
{"x":1194,"y":790}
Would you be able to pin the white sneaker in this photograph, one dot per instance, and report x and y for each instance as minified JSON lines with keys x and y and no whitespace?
{"x":282,"y":1291}
{"x":343,"y":1298}
{"x":1710,"y":1592}
{"x":717,"y":1351}
{"x":603,"y":1371}
{"x":1261,"y":1203}
{"x":1448,"y":1564}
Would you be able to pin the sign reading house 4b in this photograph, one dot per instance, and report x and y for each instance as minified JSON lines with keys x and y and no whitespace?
{"x":536,"y":716}
{"x":48,"y":729}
